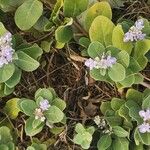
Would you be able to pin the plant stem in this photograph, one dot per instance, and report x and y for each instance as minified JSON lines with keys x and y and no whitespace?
{"x":145,"y":85}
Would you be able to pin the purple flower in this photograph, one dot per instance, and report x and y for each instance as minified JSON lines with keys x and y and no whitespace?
{"x":90,"y":63}
{"x":145,"y":114}
{"x":44,"y":104}
{"x":128,"y":37}
{"x":6,"y":50}
{"x":143,"y":128}
{"x":103,"y":63}
{"x":111,"y":61}
{"x":135,"y":32}
{"x":139,"y":24}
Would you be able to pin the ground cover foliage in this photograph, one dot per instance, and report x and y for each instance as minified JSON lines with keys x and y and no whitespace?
{"x":74,"y":74}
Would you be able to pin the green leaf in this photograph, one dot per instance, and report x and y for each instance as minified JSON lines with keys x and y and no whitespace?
{"x":117,"y":72}
{"x":85,"y":145}
{"x":41,"y":23}
{"x":11,"y":146}
{"x":30,"y":148}
{"x":74,"y":8}
{"x":128,"y":81}
{"x":2,"y":29}
{"x":101,"y":30}
{"x":84,"y":139}
{"x":124,"y":112}
{"x":56,"y":9}
{"x":113,"y":50}
{"x":105,"y":106}
{"x":79,"y":128}
{"x":10,"y":5}
{"x":59,"y":103}
{"x":59,"y":45}
{"x":110,"y":113}
{"x":127,"y":125}
{"x":99,"y":8}
{"x":28,"y":14}
{"x":120,"y":132}
{"x":141,"y":48}
{"x":36,"y":123}
{"x":121,"y":144}
{"x":146,"y":28}
{"x":114,"y":120}
{"x":134,"y":65}
{"x":142,"y":61}
{"x":137,"y":136}
{"x":33,"y":51}
{"x":29,"y":130}
{"x":134,"y":111}
{"x":91,"y":130}
{"x":84,"y":41}
{"x":6,"y":72}
{"x":14,"y":79}
{"x":146,"y":103}
{"x":4,"y":147}
{"x":117,"y":40}
{"x":54,"y":114}
{"x":123,"y":58}
{"x":138,"y":147}
{"x":104,"y":142}
{"x":64,"y":34}
{"x":116,"y":103}
{"x":146,"y":93}
{"x":144,"y":137}
{"x":57,"y":130}
{"x":27,"y":106}
{"x":135,"y":96}
{"x":96,"y":49}
{"x":46,"y":46}
{"x":45,"y":94}
{"x":11,"y":108}
{"x":7,"y":90}
{"x":96,"y":74}
{"x":5,"y":135}
{"x":25,"y":62}
{"x":138,"y":78}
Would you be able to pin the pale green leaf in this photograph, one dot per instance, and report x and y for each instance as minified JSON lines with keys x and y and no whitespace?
{"x":11,"y":108}
{"x":28,"y":14}
{"x":117,"y":40}
{"x":74,"y":8}
{"x":99,"y":8}
{"x":101,"y":30}
{"x":25,"y":62}
{"x":6,"y":72}
{"x":117,"y":72}
{"x":104,"y":142}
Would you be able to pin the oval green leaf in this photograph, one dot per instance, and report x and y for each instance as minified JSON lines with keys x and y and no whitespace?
{"x":117,"y":72}
{"x":101,"y":30}
{"x":25,"y":62}
{"x":28,"y":14}
{"x":99,"y":8}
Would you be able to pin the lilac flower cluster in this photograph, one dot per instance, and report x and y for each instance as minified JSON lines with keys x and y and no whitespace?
{"x":135,"y":32}
{"x":6,"y":50}
{"x":103,"y":63}
{"x":145,"y":127}
{"x":44,"y":105}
